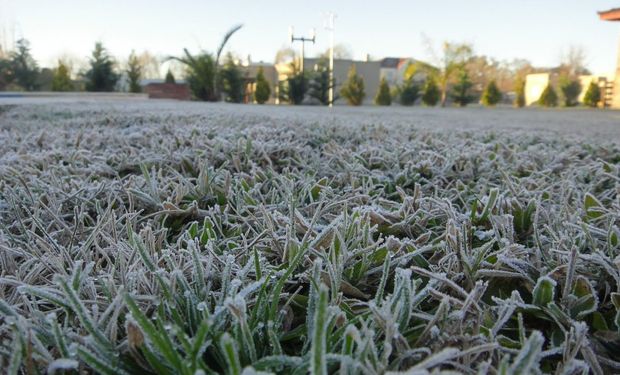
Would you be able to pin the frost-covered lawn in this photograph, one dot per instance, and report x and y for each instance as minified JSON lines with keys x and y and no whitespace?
{"x":189,"y":238}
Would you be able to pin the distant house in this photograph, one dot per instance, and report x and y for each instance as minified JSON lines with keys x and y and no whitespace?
{"x":392,"y":69}
{"x":612,"y":88}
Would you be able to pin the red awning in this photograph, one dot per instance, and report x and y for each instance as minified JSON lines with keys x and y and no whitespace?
{"x":610,"y":15}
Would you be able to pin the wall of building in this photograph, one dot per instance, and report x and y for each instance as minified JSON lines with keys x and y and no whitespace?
{"x":271,"y":75}
{"x":370,"y":71}
{"x":392,"y":76}
{"x":535,"y":84}
{"x":615,"y":102}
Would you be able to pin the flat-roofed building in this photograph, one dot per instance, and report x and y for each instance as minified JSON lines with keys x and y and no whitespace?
{"x":614,"y":15}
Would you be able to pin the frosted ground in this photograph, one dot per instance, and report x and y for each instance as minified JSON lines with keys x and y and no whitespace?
{"x":187,"y":238}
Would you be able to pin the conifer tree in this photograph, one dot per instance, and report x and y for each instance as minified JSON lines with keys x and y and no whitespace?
{"x":101,"y":75}
{"x":134,"y":73}
{"x":460,"y":90}
{"x":430,"y":95}
{"x":383,"y":96}
{"x":61,"y":81}
{"x":320,"y":83}
{"x":408,"y":92}
{"x":24,"y":68}
{"x":548,"y":98}
{"x":491,"y":95}
{"x":519,"y":101}
{"x":570,"y":88}
{"x":232,"y":81}
{"x":169,"y":77}
{"x":263,"y":91}
{"x":353,"y":88}
{"x":593,"y":95}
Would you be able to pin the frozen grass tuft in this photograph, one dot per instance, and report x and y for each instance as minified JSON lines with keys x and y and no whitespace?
{"x":189,"y":243}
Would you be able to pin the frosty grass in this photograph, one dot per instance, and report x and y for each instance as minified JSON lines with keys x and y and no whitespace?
{"x":206,"y":239}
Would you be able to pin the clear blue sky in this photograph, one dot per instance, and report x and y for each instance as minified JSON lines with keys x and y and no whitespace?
{"x":537,"y":30}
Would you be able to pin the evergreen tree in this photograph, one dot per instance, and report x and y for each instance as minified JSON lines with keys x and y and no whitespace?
{"x":61,"y":81}
{"x":101,"y":76}
{"x":548,"y":98}
{"x":431,"y":94}
{"x":233,"y":84}
{"x":294,"y":88}
{"x":453,"y":61}
{"x":24,"y":67}
{"x":320,"y":83}
{"x":593,"y":95}
{"x":6,"y":73}
{"x":383,"y":97}
{"x":263,"y":91}
{"x":491,"y":95}
{"x":408,"y":92}
{"x":169,"y":77}
{"x":353,"y":88}
{"x":134,"y":73}
{"x":519,"y":101}
{"x":570,"y":89}
{"x":460,"y":90}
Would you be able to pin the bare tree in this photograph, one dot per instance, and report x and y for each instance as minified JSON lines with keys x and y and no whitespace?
{"x":453,"y":59}
{"x":150,"y":65}
{"x":573,"y":61}
{"x":341,"y":51}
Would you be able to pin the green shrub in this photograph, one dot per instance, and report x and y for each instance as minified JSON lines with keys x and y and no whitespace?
{"x":262,"y":88}
{"x":593,"y":95}
{"x":570,"y":89}
{"x":519,"y":101}
{"x":408,"y":93}
{"x":61,"y":80}
{"x":101,"y":75}
{"x":383,"y":97}
{"x":460,"y":90}
{"x":491,"y":95}
{"x":353,"y":89}
{"x":430,"y":92}
{"x":548,"y":98}
{"x":169,"y":77}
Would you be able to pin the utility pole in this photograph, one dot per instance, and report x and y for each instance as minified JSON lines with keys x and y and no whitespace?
{"x":303,"y":41}
{"x":330,"y":27}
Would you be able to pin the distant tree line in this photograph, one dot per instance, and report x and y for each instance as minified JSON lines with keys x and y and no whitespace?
{"x":457,"y":76}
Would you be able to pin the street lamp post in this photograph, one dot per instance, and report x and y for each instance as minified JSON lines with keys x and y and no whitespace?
{"x":303,"y":41}
{"x":330,"y":26}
